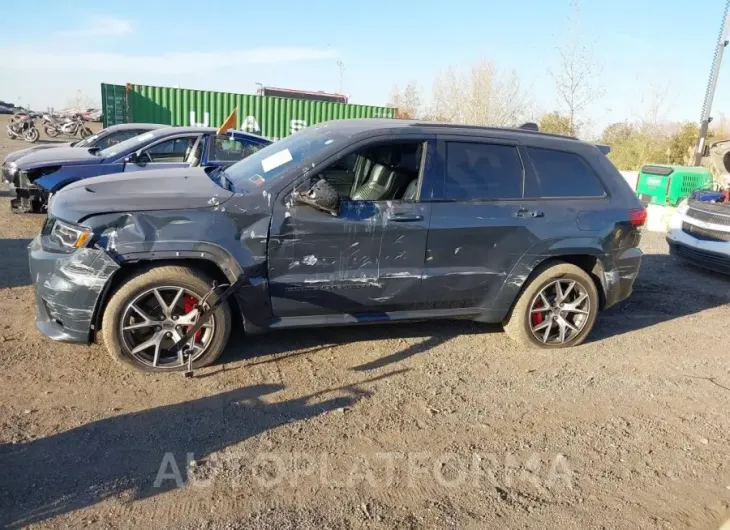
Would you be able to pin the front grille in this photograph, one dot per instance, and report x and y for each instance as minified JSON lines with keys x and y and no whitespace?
{"x":709,"y":217}
{"x":702,"y":256}
{"x":705,"y":234}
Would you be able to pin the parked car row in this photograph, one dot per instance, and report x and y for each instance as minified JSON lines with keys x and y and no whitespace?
{"x":36,"y":173}
{"x":344,"y":222}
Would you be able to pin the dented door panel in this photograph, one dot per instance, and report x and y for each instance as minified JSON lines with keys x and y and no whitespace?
{"x":367,"y":259}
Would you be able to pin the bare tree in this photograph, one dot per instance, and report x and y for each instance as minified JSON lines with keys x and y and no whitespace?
{"x":483,"y":96}
{"x":577,"y":74}
{"x":407,"y":102}
{"x":82,"y":102}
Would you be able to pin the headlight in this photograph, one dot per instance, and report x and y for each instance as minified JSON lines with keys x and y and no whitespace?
{"x":69,"y":236}
{"x":682,"y":207}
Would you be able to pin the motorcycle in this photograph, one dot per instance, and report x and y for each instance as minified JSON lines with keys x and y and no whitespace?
{"x":70,"y":127}
{"x":23,"y":126}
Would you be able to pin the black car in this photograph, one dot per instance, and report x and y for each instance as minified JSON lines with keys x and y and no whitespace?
{"x":345,"y":222}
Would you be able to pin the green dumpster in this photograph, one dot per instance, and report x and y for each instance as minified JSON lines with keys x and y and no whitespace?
{"x":667,"y":184}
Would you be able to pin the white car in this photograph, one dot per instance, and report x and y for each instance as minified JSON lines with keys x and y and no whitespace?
{"x":699,"y":232}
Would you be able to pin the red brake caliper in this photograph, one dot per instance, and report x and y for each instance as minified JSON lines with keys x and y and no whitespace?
{"x":188,"y":305}
{"x":537,"y":317}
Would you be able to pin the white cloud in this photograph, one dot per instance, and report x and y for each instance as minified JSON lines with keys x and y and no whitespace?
{"x":100,"y":26}
{"x":165,"y":63}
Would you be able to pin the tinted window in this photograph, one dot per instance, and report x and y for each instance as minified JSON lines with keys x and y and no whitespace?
{"x":564,"y":174}
{"x":482,"y":171}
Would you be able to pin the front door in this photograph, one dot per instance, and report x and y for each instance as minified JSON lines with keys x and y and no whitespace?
{"x":367,"y":260}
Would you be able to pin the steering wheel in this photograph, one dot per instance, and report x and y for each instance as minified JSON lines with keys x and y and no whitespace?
{"x":144,"y":158}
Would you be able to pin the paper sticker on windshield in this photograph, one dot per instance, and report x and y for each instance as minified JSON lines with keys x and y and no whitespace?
{"x":276,"y":160}
{"x":143,"y":137}
{"x":257,"y":179}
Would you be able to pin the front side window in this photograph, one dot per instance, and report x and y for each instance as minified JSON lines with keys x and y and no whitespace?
{"x":563,"y":174}
{"x":480,"y":171}
{"x":172,"y":150}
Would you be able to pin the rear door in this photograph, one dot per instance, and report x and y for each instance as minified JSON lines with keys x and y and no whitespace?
{"x":481,"y":225}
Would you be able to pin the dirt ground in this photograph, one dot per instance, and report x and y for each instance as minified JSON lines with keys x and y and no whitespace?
{"x":428,"y":425}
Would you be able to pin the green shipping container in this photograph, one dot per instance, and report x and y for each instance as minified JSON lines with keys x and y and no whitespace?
{"x":272,"y":117}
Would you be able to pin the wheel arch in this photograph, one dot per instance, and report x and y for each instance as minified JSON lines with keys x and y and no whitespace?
{"x":591,"y":263}
{"x":205,"y":265}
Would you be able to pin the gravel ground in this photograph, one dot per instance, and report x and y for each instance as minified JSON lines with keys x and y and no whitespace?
{"x":429,"y":425}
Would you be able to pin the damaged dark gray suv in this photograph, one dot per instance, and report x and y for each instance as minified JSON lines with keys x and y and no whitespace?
{"x":346,"y":222}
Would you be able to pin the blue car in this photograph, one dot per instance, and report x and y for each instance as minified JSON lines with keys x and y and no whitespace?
{"x":43,"y":173}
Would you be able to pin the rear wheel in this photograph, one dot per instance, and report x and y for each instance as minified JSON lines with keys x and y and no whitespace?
{"x":152,"y":310}
{"x":556,"y":310}
{"x":51,"y":131}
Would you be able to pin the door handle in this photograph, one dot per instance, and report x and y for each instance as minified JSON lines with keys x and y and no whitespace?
{"x":406,"y":218}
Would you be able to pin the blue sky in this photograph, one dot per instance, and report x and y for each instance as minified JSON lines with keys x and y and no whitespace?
{"x":50,"y":52}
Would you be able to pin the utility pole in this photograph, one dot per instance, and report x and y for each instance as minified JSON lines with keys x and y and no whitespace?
{"x":341,"y":66}
{"x":712,"y":84}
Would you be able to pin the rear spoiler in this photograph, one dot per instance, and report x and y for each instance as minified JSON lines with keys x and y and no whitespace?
{"x":603,"y":148}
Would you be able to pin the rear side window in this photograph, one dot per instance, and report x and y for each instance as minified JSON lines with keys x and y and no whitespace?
{"x":563,"y":174}
{"x":477,"y":171}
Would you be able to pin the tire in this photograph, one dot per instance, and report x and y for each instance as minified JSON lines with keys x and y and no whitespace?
{"x":31,"y":135}
{"x":84,"y":132}
{"x":519,"y":322}
{"x":51,"y":132}
{"x":138,"y":285}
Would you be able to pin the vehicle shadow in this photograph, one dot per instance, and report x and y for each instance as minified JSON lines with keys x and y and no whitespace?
{"x":14,"y":263}
{"x":666,"y":289}
{"x":271,"y":347}
{"x":80,"y":467}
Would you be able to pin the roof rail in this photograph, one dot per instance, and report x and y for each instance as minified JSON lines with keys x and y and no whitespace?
{"x":529,"y":126}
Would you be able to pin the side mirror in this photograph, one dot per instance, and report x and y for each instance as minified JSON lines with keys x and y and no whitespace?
{"x":321,"y":195}
{"x":131,"y":158}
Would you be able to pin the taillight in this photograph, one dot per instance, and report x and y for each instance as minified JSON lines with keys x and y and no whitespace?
{"x":637,"y":216}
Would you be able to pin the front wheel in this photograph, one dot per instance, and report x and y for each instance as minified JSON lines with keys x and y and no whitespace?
{"x":152,"y":310}
{"x":557,"y":309}
{"x":52,"y":132}
{"x":31,"y":135}
{"x":84,"y":132}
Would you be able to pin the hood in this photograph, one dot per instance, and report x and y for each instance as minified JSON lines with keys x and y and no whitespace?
{"x":62,"y":156}
{"x":15,"y":155}
{"x":160,"y":189}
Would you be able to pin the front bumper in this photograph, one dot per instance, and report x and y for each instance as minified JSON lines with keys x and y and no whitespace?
{"x":68,"y":288}
{"x":709,"y":253}
{"x":712,"y":255}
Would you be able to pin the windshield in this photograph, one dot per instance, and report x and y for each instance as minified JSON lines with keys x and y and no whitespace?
{"x":271,"y":162}
{"x":126,"y":145}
